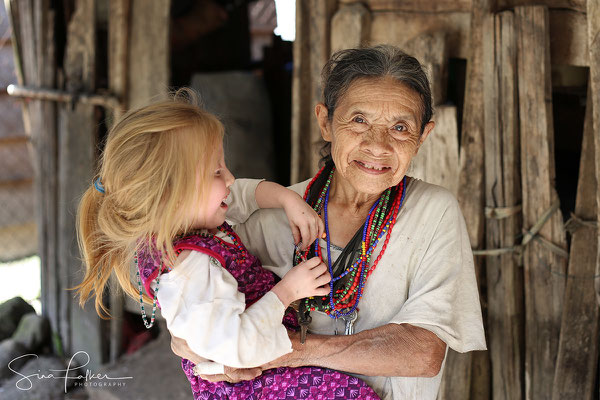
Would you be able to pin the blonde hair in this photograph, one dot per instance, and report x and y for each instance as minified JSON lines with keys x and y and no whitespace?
{"x":149,"y":169}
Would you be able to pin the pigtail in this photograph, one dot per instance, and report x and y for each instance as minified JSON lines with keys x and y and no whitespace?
{"x":94,"y":248}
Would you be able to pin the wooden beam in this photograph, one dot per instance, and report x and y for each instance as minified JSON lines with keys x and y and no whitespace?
{"x":574,"y":5}
{"x":503,"y":189}
{"x":569,"y":44}
{"x":577,"y":361}
{"x":350,"y":27}
{"x":79,"y":328}
{"x":415,"y":6}
{"x":593,"y":23}
{"x":544,"y":269}
{"x":431,"y":50}
{"x":118,"y":40}
{"x":467,"y":375}
{"x":437,"y":159}
{"x":399,"y":28}
{"x":312,"y":51}
{"x":446,"y":6}
{"x":148,"y":52}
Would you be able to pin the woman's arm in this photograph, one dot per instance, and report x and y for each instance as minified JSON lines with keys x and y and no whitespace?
{"x":389,"y":350}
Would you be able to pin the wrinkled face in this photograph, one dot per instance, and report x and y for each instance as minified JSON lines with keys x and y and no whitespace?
{"x":374,"y":133}
{"x":211,"y":213}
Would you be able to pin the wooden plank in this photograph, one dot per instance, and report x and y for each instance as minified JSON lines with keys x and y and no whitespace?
{"x":574,"y":5}
{"x":33,"y":38}
{"x":431,"y":51}
{"x":437,"y":159}
{"x":118,"y":38}
{"x":467,"y":375}
{"x":79,"y":328}
{"x":544,"y":270}
{"x":399,"y":28}
{"x":593,"y":23}
{"x":503,"y":189}
{"x":569,"y":44}
{"x":313,"y":22}
{"x":350,"y":26}
{"x":442,"y":6}
{"x":577,"y":361}
{"x":424,"y":6}
{"x":148,"y":51}
{"x":300,"y":93}
{"x":568,"y":30}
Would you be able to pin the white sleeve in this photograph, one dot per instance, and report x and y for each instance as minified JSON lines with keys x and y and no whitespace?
{"x":201,"y":304}
{"x":443,"y":295}
{"x":243,"y":200}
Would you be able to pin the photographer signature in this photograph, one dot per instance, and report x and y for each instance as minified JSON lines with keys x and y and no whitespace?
{"x":26,"y":383}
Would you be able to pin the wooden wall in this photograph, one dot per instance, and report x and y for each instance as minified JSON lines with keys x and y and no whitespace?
{"x":17,"y":222}
{"x":66,"y":107}
{"x":537,"y":289}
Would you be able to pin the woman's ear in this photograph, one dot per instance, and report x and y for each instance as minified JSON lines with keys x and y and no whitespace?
{"x":428,"y":128}
{"x":323,"y":121}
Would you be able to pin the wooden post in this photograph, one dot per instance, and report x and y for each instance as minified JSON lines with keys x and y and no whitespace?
{"x":437,"y":159}
{"x":148,"y":52}
{"x":593,"y":23}
{"x":578,"y":348}
{"x":118,"y":38}
{"x":432,"y":52}
{"x":470,"y":371}
{"x":33,"y":41}
{"x":503,"y":189}
{"x":80,"y":328}
{"x":544,"y":269}
{"x":350,"y":26}
{"x":311,"y":51}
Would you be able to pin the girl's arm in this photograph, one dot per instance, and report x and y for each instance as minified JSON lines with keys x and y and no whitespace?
{"x":304,"y":221}
{"x":201,"y":304}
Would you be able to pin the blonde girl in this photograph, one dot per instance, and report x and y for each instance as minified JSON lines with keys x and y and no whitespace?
{"x":160,"y":198}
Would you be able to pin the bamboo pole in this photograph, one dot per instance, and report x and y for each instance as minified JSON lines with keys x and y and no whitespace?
{"x":38,"y":93}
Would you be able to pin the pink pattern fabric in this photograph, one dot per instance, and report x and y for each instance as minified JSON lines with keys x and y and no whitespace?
{"x":311,"y":383}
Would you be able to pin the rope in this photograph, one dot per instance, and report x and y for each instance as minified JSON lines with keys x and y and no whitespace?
{"x":501,"y":212}
{"x":572,"y":225}
{"x":575,"y":223}
{"x":504,"y":212}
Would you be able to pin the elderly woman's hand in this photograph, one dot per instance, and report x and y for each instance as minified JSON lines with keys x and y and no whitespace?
{"x":232,"y":375}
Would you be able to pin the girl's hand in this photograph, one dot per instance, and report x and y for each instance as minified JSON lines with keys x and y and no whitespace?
{"x":305,"y":223}
{"x":309,"y":278}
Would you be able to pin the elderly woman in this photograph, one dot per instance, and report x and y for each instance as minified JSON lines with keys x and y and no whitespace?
{"x":403,"y":285}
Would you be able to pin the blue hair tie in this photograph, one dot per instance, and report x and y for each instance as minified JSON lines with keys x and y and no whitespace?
{"x":99,"y":186}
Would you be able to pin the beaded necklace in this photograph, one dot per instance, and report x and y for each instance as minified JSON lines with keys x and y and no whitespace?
{"x":378,"y":223}
{"x":237,"y":243}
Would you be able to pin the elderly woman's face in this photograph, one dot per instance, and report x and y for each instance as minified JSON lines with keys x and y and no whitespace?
{"x":375,"y":133}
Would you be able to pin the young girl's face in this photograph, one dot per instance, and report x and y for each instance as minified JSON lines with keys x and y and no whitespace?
{"x":211,"y":214}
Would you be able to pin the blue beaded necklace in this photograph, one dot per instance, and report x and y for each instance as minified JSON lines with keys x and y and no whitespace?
{"x":335,"y":313}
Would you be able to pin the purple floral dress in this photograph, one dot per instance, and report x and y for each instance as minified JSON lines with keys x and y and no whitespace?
{"x":254,"y":281}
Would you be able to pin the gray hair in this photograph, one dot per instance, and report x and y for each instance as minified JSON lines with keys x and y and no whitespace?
{"x":345,"y":66}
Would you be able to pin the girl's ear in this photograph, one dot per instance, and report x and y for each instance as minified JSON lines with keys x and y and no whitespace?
{"x":323,"y":121}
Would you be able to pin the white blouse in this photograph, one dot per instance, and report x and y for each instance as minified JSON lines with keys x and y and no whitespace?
{"x":200,"y":302}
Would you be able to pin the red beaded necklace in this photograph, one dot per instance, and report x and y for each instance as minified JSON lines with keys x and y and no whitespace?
{"x":377,"y":224}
